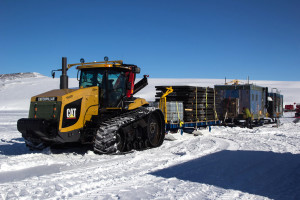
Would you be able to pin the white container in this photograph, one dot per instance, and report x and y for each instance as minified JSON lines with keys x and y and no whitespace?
{"x":174,"y":110}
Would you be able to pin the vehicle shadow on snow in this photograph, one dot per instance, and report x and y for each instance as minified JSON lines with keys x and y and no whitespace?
{"x":269,"y":174}
{"x":13,"y":147}
{"x":16,"y":146}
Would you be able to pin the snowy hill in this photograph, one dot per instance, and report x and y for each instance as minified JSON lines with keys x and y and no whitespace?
{"x":14,"y":76}
{"x":226,"y":163}
{"x":17,"y":89}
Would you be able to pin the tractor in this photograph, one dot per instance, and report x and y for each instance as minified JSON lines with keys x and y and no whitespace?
{"x":102,"y":112}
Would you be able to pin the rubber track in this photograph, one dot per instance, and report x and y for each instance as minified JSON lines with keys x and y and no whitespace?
{"x":105,"y":140}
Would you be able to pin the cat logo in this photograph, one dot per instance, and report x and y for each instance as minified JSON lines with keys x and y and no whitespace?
{"x":71,"y":113}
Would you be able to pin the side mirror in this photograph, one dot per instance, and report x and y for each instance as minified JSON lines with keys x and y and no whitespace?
{"x":53,"y":74}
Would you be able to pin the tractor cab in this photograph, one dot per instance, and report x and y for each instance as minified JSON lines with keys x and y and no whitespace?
{"x":112,"y":84}
{"x":114,"y":80}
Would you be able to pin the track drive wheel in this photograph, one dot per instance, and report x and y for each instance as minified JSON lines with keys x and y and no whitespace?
{"x":156,"y":128}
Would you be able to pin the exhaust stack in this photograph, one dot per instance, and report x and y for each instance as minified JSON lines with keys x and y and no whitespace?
{"x":64,"y":77}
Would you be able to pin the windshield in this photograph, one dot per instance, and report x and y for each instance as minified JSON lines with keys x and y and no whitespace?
{"x":90,"y":78}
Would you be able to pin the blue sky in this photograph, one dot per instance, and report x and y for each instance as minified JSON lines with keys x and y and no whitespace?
{"x":166,"y":38}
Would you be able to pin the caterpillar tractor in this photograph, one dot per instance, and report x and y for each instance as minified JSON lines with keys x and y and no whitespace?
{"x":102,"y":112}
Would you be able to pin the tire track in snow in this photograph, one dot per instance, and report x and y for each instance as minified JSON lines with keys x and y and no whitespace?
{"x":218,"y":144}
{"x":64,"y":183}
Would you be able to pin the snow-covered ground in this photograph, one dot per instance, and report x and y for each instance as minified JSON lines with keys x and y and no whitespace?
{"x":226,"y":163}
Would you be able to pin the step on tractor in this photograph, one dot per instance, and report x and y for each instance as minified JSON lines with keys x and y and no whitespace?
{"x":102,"y":112}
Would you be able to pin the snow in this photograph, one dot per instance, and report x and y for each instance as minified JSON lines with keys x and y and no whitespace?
{"x":226,"y":163}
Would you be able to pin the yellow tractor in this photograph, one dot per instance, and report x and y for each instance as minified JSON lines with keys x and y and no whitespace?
{"x":102,"y":112}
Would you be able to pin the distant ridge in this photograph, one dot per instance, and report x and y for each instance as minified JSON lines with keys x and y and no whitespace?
{"x":13,"y":76}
